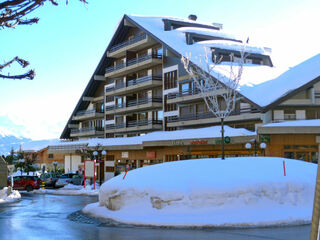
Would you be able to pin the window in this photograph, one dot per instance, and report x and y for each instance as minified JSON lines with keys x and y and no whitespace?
{"x":157,"y":115}
{"x":50,"y":155}
{"x":289,"y":155}
{"x":109,"y":98}
{"x":170,"y":107}
{"x":186,"y":110}
{"x":170,"y":80}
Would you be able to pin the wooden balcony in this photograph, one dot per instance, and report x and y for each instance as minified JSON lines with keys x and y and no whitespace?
{"x":187,"y":96}
{"x":208,"y":118}
{"x":134,"y":126}
{"x":87,"y":114}
{"x":86,"y":132}
{"x":135,"y":44}
{"x":138,"y":84}
{"x":133,"y":65}
{"x":135,"y":105}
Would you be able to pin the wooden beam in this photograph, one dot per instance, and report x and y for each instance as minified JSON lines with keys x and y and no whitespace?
{"x":99,"y":78}
{"x":87,"y":99}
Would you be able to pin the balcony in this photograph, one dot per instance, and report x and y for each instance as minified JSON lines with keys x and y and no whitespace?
{"x":184,"y":96}
{"x":208,"y":117}
{"x":133,"y":65}
{"x":135,"y":105}
{"x":93,"y":131}
{"x":135,"y":85}
{"x":87,"y":114}
{"x":132,"y":126}
{"x":134,"y":44}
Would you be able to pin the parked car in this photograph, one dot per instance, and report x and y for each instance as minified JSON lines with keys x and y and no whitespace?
{"x":72,"y":178}
{"x":49,"y":179}
{"x":25,"y":183}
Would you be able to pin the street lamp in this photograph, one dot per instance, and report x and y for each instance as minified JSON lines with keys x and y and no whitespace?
{"x":21,"y":161}
{"x":96,"y":155}
{"x":55,"y":163}
{"x":263,"y":146}
{"x":249,"y":146}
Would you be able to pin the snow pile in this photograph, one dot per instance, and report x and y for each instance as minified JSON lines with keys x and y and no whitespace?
{"x":9,"y":196}
{"x":246,"y":191}
{"x":71,"y":190}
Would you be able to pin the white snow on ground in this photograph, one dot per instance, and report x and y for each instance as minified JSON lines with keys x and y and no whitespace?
{"x":71,"y":189}
{"x":13,"y":196}
{"x":296,"y":123}
{"x":245,"y":191}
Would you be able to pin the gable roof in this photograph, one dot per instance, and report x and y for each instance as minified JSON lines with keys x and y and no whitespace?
{"x":260,"y":85}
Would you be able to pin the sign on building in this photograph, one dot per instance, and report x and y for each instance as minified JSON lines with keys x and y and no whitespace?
{"x":125,"y":154}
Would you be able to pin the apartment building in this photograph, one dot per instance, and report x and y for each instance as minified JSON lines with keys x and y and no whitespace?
{"x":140,"y":84}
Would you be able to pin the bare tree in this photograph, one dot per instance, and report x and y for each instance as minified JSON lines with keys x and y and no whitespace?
{"x":14,"y":13}
{"x":219,"y":91}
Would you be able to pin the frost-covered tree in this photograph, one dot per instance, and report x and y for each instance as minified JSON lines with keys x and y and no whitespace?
{"x":219,"y":91}
{"x":15,"y":13}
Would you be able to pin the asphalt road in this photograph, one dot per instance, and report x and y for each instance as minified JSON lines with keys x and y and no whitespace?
{"x":57,"y":217}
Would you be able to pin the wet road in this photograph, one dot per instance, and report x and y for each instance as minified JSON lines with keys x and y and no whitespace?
{"x":46,"y":217}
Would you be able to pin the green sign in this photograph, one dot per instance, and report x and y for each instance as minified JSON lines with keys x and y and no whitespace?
{"x":227,"y":139}
{"x":265,"y":138}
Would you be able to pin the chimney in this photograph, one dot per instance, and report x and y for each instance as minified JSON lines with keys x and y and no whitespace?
{"x":192,"y":17}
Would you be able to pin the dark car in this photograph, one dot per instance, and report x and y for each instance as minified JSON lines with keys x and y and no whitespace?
{"x":25,"y":183}
{"x":49,"y":179}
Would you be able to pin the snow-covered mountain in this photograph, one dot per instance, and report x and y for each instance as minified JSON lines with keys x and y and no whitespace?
{"x":9,"y":140}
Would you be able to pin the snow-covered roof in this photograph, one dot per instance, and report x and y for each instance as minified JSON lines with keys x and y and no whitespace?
{"x":269,"y":91}
{"x":208,"y":132}
{"x":38,"y":145}
{"x":260,"y":84}
{"x":208,"y":32}
{"x":297,"y":123}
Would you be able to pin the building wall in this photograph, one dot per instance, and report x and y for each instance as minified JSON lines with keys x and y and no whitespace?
{"x":3,"y":173}
{"x":299,"y":144}
{"x":71,"y":163}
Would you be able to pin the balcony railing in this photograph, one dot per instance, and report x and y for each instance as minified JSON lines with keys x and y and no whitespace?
{"x":134,"y":82}
{"x":132,"y":62}
{"x":143,"y":79}
{"x":85,"y":130}
{"x":87,"y":112}
{"x":132,"y":103}
{"x":188,"y":92}
{"x":202,"y":115}
{"x":127,"y":43}
{"x":134,"y":124}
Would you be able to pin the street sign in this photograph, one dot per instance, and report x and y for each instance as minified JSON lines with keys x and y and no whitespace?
{"x":89,"y":169}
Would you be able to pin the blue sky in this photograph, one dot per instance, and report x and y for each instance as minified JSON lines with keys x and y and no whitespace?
{"x":66,"y":45}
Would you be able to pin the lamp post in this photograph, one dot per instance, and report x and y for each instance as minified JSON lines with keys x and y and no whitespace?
{"x":96,"y":155}
{"x":55,"y":163}
{"x":262,"y":146}
{"x":21,"y":161}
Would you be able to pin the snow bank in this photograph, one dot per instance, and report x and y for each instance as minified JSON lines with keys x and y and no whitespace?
{"x":9,"y":196}
{"x":247,"y":191}
{"x":71,"y":190}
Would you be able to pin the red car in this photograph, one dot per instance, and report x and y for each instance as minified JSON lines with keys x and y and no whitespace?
{"x":25,"y":183}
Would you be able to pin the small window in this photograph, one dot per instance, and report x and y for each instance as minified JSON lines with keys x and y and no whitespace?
{"x":50,"y":155}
